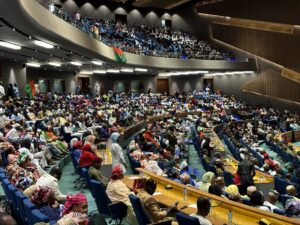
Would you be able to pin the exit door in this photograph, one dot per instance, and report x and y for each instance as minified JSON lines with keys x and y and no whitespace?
{"x":163,"y":85}
{"x":84,"y":83}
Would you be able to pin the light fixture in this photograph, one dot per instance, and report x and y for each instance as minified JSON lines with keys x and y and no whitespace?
{"x":98,"y":63}
{"x":87,"y":72}
{"x":9,"y":45}
{"x":33,"y":64}
{"x":56,"y":64}
{"x":43,"y":44}
{"x":113,"y":71}
{"x":100,"y":71}
{"x":140,"y":69}
{"x":76,"y":63}
{"x":127,"y":70}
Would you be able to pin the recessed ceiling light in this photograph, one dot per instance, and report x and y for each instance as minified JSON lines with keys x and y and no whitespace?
{"x":98,"y":63}
{"x":43,"y":44}
{"x":9,"y":45}
{"x":57,"y":64}
{"x":127,"y":70}
{"x":113,"y":71}
{"x":140,"y":69}
{"x":86,"y":72}
{"x":100,"y":71}
{"x":76,"y":63}
{"x":33,"y":64}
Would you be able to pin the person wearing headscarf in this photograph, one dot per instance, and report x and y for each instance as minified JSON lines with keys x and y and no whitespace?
{"x":117,"y":152}
{"x":43,"y":198}
{"x":117,"y":191}
{"x":76,"y":150}
{"x":75,"y":210}
{"x":207,"y":180}
{"x":87,"y":156}
{"x":24,"y":161}
{"x":233,"y":193}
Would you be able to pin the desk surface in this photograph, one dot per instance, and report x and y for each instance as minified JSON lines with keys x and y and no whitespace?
{"x":242,"y":214}
{"x":231,"y":165}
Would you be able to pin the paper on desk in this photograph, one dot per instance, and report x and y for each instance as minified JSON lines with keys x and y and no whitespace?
{"x":134,"y":178}
{"x":157,"y":193}
{"x":192,"y":206}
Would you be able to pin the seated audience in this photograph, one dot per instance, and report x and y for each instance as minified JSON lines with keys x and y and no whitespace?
{"x":271,"y":200}
{"x":257,"y":201}
{"x":95,"y":171}
{"x":203,"y":208}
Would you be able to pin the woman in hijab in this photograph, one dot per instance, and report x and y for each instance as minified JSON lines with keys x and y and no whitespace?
{"x":75,"y":210}
{"x":43,"y":198}
{"x":117,"y":152}
{"x":233,"y":193}
{"x":207,"y":180}
{"x":25,"y":162}
{"x":87,"y":156}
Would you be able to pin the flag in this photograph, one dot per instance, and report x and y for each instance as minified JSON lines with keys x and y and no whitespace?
{"x":30,"y":89}
{"x":119,"y":55}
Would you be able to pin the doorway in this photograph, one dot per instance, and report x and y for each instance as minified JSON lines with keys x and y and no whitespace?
{"x":208,"y":84}
{"x":84,"y":83}
{"x":163,"y":85}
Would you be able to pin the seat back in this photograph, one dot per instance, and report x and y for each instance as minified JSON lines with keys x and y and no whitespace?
{"x":37,"y":216}
{"x":278,"y":211}
{"x":28,"y":207}
{"x":86,"y":176}
{"x":228,"y":178}
{"x":4,"y":183}
{"x":11,"y":196}
{"x":280,"y":185}
{"x":284,"y":198}
{"x":184,"y":219}
{"x":246,"y":201}
{"x":100,"y":196}
{"x":141,"y":216}
{"x":20,"y":206}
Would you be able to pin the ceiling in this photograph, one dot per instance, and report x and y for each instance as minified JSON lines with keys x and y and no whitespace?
{"x":164,"y":4}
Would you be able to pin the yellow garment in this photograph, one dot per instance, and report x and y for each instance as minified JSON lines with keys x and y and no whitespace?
{"x":232,"y":189}
{"x":62,"y":121}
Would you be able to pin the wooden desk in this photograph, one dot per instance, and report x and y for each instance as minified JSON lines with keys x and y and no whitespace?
{"x":242,"y":214}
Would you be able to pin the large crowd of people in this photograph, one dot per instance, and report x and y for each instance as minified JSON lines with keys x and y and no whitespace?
{"x":36,"y":132}
{"x":145,"y":40}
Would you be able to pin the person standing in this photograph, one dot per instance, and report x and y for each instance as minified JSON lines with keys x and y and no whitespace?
{"x":117,"y":152}
{"x":246,"y":172}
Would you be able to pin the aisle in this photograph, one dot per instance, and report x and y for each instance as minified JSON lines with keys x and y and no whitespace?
{"x":194,"y":160}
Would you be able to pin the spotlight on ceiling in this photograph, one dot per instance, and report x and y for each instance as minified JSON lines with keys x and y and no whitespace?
{"x":99,"y":71}
{"x":9,"y":45}
{"x":76,"y":63}
{"x":140,"y":70}
{"x":33,"y":64}
{"x":113,"y":71}
{"x":43,"y":44}
{"x":97,"y":63}
{"x":87,"y":72}
{"x":127,"y":70}
{"x":56,"y":64}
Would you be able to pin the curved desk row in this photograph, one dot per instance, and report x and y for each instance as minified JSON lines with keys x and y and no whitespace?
{"x":242,"y":214}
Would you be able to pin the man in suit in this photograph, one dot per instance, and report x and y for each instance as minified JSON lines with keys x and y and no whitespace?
{"x":150,"y":205}
{"x":246,"y":172}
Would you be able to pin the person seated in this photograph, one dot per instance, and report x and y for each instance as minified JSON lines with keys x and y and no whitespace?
{"x":51,"y":181}
{"x":44,"y":199}
{"x":150,"y":205}
{"x":6,"y":219}
{"x":95,"y":171}
{"x":75,"y":210}
{"x":215,"y":189}
{"x":76,"y":151}
{"x":292,"y":208}
{"x":233,"y":193}
{"x":203,"y":208}
{"x":292,"y":191}
{"x":24,"y":161}
{"x":153,"y":167}
{"x":87,"y":156}
{"x":257,"y":201}
{"x":186,"y":179}
{"x":250,"y":191}
{"x":272,"y":199}
{"x":207,"y":180}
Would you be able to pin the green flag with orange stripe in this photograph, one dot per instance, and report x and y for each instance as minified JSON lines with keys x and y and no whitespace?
{"x":119,"y":55}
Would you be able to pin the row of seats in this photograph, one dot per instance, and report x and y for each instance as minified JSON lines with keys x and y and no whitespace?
{"x":286,"y":157}
{"x":22,"y":209}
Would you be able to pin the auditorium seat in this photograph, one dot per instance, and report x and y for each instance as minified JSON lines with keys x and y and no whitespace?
{"x":28,"y":207}
{"x":228,"y":178}
{"x":141,"y":216}
{"x":184,"y":219}
{"x":20,"y":197}
{"x":278,"y":211}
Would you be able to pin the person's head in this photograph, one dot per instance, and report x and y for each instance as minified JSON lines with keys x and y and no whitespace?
{"x":117,"y":173}
{"x":257,"y":199}
{"x":97,"y":161}
{"x":115,"y":137}
{"x":56,"y":172}
{"x":208,"y":177}
{"x":203,"y":206}
{"x":150,"y":186}
{"x":215,"y":189}
{"x":273,"y":196}
{"x":291,"y":190}
{"x":185,"y":178}
{"x":77,"y":144}
{"x":43,"y":196}
{"x":76,"y":203}
{"x":6,"y":219}
{"x":250,"y":190}
{"x":87,"y":148}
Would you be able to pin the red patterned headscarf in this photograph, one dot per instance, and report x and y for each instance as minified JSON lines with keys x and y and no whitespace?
{"x":116,"y":172}
{"x":72,"y":200}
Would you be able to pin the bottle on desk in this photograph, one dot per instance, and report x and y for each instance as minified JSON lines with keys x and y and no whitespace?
{"x":184,"y":194}
{"x":229,"y":217}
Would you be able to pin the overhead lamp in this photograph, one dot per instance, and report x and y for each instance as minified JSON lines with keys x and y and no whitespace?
{"x":98,"y":63}
{"x":9,"y":45}
{"x":127,"y":70}
{"x":43,"y":44}
{"x":56,"y":64}
{"x":87,"y":72}
{"x":140,"y":69}
{"x":99,"y":71}
{"x":113,"y":71}
{"x":33,"y":64}
{"x":76,"y":63}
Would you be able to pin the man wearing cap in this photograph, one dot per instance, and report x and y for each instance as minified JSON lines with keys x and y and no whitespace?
{"x":272,"y":199}
{"x":95,"y":172}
